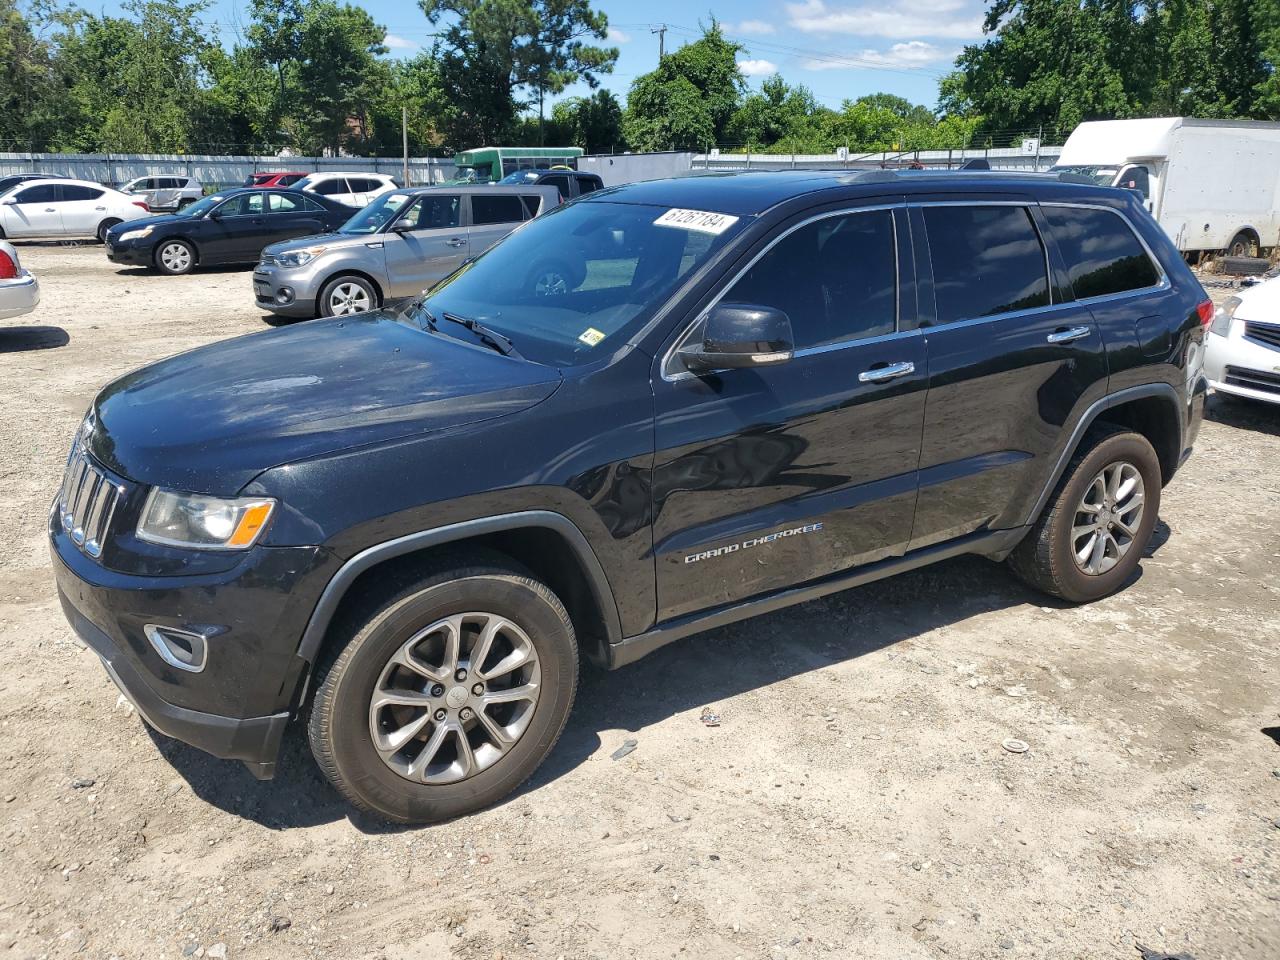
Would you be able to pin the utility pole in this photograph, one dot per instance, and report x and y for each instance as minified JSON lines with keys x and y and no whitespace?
{"x":404,"y":134}
{"x":661,"y":31}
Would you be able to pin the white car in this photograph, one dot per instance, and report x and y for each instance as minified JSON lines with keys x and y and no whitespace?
{"x":1242,"y":356}
{"x":57,"y":209}
{"x":353,"y":189}
{"x":165,"y":193}
{"x":19,"y":290}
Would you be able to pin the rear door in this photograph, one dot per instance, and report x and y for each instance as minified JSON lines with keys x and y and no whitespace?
{"x":765,"y":478}
{"x":493,"y":216}
{"x":433,"y":246}
{"x":1013,"y":361}
{"x":82,"y":208}
{"x":34,"y":212}
{"x":290,"y":216}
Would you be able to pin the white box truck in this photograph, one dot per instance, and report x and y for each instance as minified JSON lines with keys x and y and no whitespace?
{"x":1211,"y":184}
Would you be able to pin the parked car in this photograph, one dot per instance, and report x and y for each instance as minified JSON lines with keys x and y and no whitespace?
{"x":394,"y":248}
{"x":228,"y":227}
{"x":570,"y":183}
{"x":165,"y":193}
{"x":353,"y":189}
{"x":57,"y":208}
{"x":277,"y":178}
{"x":17,"y":178}
{"x":756,"y":389}
{"x":1242,"y":356}
{"x":19,"y":289}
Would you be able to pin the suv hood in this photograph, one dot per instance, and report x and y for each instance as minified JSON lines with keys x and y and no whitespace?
{"x":210,"y":420}
{"x":334,"y":241}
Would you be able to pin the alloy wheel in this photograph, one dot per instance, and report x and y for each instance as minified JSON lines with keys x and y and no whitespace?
{"x":176,"y":257}
{"x":1108,"y":518}
{"x":455,"y":698}
{"x":550,"y":284}
{"x":348,"y":298}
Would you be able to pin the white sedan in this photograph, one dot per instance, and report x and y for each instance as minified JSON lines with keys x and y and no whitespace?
{"x":1242,"y":356}
{"x":59,"y":209}
{"x":19,"y":290}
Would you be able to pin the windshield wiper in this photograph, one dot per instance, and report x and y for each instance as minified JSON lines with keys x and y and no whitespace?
{"x":493,"y":338}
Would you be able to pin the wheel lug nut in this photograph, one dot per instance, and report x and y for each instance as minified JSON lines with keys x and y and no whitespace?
{"x":437,"y":690}
{"x":478,"y":690}
{"x":460,"y":676}
{"x":441,"y":714}
{"x":466,"y":713}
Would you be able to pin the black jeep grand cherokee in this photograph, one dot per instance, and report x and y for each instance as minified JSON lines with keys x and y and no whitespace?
{"x":744,"y":391}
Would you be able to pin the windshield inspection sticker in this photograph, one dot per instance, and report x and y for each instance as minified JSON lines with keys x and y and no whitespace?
{"x":591,"y":336}
{"x":700,"y":220}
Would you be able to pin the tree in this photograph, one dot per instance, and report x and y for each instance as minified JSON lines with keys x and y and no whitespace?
{"x":778,"y":112}
{"x":29,"y":80}
{"x":275,"y":37}
{"x":340,"y":72}
{"x":593,"y":123}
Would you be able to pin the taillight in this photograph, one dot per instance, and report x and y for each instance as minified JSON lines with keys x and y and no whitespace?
{"x":8,"y":269}
{"x":1205,"y":312}
{"x":142,"y":204}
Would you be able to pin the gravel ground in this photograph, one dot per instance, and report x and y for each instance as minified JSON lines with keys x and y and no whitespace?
{"x":855,"y":800}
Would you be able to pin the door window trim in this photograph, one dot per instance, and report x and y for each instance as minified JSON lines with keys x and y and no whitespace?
{"x":1161,"y":285}
{"x":672,"y":374}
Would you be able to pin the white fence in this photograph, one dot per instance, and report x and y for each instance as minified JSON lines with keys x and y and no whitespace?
{"x":1002,"y":158}
{"x":214,"y":172}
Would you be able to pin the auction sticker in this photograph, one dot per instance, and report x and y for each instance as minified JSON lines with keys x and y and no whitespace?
{"x":591,"y":336}
{"x":703,"y":221}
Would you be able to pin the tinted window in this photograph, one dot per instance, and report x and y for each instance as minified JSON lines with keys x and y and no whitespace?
{"x":73,"y":191}
{"x":434,"y":212}
{"x":560,"y":182}
{"x":169,"y":183}
{"x":1101,"y":252}
{"x":501,"y":208}
{"x":986,"y":260}
{"x":587,"y":184}
{"x":289,"y":179}
{"x":836,"y":278}
{"x":246,"y":204}
{"x":42,"y":193}
{"x":329,"y":188}
{"x":532,"y":204}
{"x":311,"y":206}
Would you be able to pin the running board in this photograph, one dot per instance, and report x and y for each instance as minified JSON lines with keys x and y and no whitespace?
{"x":994,"y":544}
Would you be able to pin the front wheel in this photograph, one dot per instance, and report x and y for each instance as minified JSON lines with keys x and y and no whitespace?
{"x":1093,"y":531}
{"x":175,"y":257}
{"x":346,"y":295}
{"x":447,"y":695}
{"x":103,"y":227}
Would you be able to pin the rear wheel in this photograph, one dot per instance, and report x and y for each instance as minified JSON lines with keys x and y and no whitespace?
{"x":1241,"y":245}
{"x":1096,"y":526}
{"x":448,"y":694}
{"x":175,"y":257}
{"x":346,"y":295}
{"x":103,"y":227}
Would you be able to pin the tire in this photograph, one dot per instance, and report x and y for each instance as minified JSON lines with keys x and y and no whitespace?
{"x":183,"y":204}
{"x":1241,"y":245}
{"x":175,"y":257}
{"x":1047,"y":557}
{"x":346,"y":295}
{"x":552,"y":278}
{"x":104,"y":226}
{"x":410,"y":786}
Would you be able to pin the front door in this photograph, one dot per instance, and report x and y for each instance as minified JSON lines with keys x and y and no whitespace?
{"x":34,"y":212}
{"x":428,"y":244}
{"x":769,"y":477}
{"x":1012,"y":362}
{"x":235,"y":230}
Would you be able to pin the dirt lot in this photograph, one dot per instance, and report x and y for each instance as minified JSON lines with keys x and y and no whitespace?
{"x":855,"y":802}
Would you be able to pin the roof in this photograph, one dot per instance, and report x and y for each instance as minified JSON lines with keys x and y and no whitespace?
{"x":1112,"y":142}
{"x":744,"y":193}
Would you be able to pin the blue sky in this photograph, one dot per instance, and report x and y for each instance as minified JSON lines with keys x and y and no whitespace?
{"x":838,"y":48}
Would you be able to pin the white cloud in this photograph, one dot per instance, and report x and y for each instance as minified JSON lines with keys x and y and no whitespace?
{"x":914,"y":53}
{"x":757,"y":68}
{"x":757,"y":28}
{"x":952,"y":19}
{"x":618,"y":36}
{"x":393,"y":42}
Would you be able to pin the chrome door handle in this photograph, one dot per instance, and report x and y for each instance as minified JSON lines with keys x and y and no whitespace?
{"x":892,"y":372}
{"x":456,"y":242}
{"x":99,"y":208}
{"x":1070,"y":334}
{"x":50,"y":209}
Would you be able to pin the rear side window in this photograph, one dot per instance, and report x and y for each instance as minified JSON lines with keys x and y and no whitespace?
{"x":290,"y":179}
{"x":532,"y":204}
{"x":1101,"y":252}
{"x":282,"y":203}
{"x":835,"y":278}
{"x":498,"y":208}
{"x":73,"y":191}
{"x":587,"y":184}
{"x":986,"y":260}
{"x":560,"y":182}
{"x":332,"y":187}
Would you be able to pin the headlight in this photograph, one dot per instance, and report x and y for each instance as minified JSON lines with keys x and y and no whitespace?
{"x":299,"y":258}
{"x":136,"y":234}
{"x":206,"y":523}
{"x":1223,"y":316}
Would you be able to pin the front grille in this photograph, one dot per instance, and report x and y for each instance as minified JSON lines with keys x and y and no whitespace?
{"x":87,"y":502}
{"x":1253,"y":379}
{"x":268,"y":259}
{"x":1268,"y":334}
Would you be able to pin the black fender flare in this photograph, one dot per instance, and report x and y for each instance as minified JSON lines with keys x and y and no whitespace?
{"x":1095,"y":410}
{"x":336,"y":589}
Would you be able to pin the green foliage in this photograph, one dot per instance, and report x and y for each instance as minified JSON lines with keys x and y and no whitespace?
{"x":593,"y":123}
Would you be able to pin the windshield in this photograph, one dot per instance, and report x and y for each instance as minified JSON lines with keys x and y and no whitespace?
{"x":203,"y":205}
{"x":471,"y":174}
{"x":522,"y":176}
{"x":1102,"y":176}
{"x":573,"y":284}
{"x":376,"y":215}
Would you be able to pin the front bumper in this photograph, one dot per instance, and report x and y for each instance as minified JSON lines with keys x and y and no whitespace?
{"x":1243,"y":366}
{"x":130,"y":254}
{"x":289,"y":293}
{"x":19,"y":296}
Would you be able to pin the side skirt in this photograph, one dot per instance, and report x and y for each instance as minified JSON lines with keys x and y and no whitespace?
{"x":994,"y":544}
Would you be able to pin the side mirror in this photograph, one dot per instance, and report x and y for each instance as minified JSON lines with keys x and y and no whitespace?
{"x":402,"y":226}
{"x":215,"y":215}
{"x":740,"y":335}
{"x":9,"y":200}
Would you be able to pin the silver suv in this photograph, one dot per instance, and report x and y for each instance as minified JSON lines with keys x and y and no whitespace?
{"x":396,"y":247}
{"x":165,"y":193}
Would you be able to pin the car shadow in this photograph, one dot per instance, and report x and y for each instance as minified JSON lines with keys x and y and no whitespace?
{"x":706,"y":669}
{"x":22,"y":339}
{"x":215,"y":269}
{"x":1244,"y":414}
